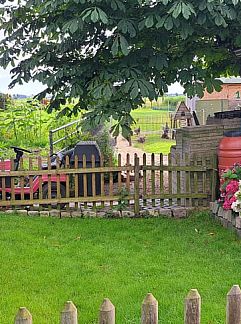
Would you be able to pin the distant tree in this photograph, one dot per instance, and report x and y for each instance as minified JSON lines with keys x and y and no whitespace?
{"x":111,"y":53}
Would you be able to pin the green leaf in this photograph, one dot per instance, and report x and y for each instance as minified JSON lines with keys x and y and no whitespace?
{"x":124,"y":45}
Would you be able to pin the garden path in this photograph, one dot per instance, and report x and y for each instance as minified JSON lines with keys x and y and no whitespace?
{"x":123,"y":148}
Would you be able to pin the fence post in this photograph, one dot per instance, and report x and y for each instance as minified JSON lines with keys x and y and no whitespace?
{"x":69,"y":314}
{"x":136,"y":186}
{"x":107,"y":312}
{"x":23,"y":316}
{"x":233,"y":310}
{"x":149,"y":310}
{"x":192,"y":313}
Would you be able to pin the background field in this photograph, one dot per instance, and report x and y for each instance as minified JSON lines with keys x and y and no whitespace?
{"x":47,"y":261}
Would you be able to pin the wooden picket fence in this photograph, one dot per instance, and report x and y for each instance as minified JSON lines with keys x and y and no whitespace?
{"x":149,"y":310}
{"x":150,"y":180}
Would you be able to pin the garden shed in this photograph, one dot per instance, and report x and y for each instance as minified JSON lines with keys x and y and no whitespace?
{"x":183,"y":117}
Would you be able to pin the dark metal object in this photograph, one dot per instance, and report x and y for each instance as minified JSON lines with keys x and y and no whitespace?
{"x":230,"y":114}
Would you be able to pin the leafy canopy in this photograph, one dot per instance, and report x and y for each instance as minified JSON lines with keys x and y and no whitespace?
{"x":111,"y":53}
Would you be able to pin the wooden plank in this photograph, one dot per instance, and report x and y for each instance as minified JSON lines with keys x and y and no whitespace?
{"x":137,"y":186}
{"x":102,"y":169}
{"x":85,"y":184}
{"x":214,"y":177}
{"x":67,"y":180}
{"x":119,"y":174}
{"x":149,"y":310}
{"x":3,"y":182}
{"x":110,"y":181}
{"x":204,"y":181}
{"x":195,"y":179}
{"x":58,"y":181}
{"x":107,"y":312}
{"x":30,"y":166}
{"x":161,"y":180}
{"x":93,"y":180}
{"x":128,"y":175}
{"x":76,"y":180}
{"x":21,"y":179}
{"x":69,"y":314}
{"x":153,"y":179}
{"x":170,"y":179}
{"x":102,"y":180}
{"x":192,"y":314}
{"x":188,"y":181}
{"x":178,"y":161}
{"x":144,"y":178}
{"x":40,"y":178}
{"x":49,"y":182}
{"x":233,"y":308}
{"x":12,"y":182}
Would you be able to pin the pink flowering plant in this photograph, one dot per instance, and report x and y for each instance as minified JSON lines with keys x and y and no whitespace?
{"x":230,"y":188}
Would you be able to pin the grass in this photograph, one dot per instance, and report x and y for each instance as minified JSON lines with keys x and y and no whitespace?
{"x":47,"y":261}
{"x":154,"y":144}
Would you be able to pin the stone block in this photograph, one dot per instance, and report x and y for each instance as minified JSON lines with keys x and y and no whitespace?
{"x":238,"y":231}
{"x":128,"y":214}
{"x":89,"y":214}
{"x":44,"y":213}
{"x":22,"y":212}
{"x":154,"y":212}
{"x":101,"y":214}
{"x":224,"y":222}
{"x":76,"y":213}
{"x":227,"y":214}
{"x":10,"y":211}
{"x":215,"y":207}
{"x":179,"y":212}
{"x":220,"y":212}
{"x":65,"y":214}
{"x":54,"y":213}
{"x":144,"y":213}
{"x":165,"y":212}
{"x":238,"y":222}
{"x":33,"y":213}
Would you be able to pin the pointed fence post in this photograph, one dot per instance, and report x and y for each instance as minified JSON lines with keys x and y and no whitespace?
{"x":233,"y":310}
{"x":69,"y":314}
{"x":192,"y":313}
{"x":23,"y":316}
{"x":149,"y":310}
{"x":107,"y":312}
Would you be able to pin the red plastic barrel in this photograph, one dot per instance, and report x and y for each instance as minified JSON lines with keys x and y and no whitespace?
{"x":229,"y":152}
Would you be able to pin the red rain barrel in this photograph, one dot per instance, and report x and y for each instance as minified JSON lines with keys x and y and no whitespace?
{"x":229,"y":151}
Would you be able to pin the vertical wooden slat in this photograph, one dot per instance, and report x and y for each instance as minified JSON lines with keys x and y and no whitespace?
{"x":195,"y":178}
{"x":144,"y":179}
{"x":49,"y":181}
{"x":149,"y":310}
{"x":102,"y":181}
{"x":107,"y":312}
{"x":67,"y":179}
{"x":153,"y":178}
{"x":69,"y":314}
{"x":170,"y":178}
{"x":204,"y":181}
{"x":128,"y":173}
{"x":110,"y":181}
{"x":76,"y":181}
{"x":119,"y":174}
{"x":3,"y":182}
{"x":188,"y":181}
{"x":214,"y":177}
{"x":93,"y":180}
{"x":192,"y":312}
{"x":40,"y":179}
{"x":58,"y":182}
{"x":137,"y":185}
{"x":178,"y":179}
{"x":233,"y":308}
{"x":12,"y":181}
{"x":30,"y":163}
{"x":85,"y":184}
{"x":161,"y":180}
{"x":23,"y":316}
{"x":21,"y":179}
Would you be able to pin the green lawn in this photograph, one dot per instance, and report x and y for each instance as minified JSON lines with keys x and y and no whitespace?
{"x":47,"y":261}
{"x":154,"y":144}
